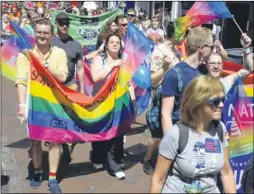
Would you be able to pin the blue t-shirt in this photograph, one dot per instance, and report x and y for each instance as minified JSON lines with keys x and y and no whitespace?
{"x":170,"y":85}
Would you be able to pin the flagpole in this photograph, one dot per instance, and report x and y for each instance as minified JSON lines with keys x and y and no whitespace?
{"x":237,"y":24}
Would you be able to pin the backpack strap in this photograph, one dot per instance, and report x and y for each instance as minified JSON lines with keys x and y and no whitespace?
{"x":219,"y":129}
{"x":183,"y":136}
{"x":179,"y":73}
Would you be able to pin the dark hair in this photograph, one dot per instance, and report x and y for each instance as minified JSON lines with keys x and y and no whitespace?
{"x":106,"y":45}
{"x":68,"y":10}
{"x":120,"y":17}
{"x":45,"y":21}
{"x":170,"y":30}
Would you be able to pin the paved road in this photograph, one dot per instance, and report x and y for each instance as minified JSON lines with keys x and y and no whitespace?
{"x":77,"y":177}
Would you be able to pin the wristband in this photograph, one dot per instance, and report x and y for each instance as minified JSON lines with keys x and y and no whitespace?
{"x":245,"y":54}
{"x":246,"y":50}
{"x":22,"y":105}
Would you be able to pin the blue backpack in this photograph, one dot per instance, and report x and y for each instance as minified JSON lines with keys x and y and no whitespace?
{"x":153,"y":115}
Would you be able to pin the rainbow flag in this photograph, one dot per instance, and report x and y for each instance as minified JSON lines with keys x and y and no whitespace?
{"x":24,"y":41}
{"x":59,"y":114}
{"x":20,"y":40}
{"x":238,"y":117}
{"x":136,"y":48}
{"x":143,"y":96}
{"x":200,"y":13}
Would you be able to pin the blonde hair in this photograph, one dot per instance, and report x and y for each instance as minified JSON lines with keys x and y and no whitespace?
{"x":195,"y":97}
{"x":196,"y":37}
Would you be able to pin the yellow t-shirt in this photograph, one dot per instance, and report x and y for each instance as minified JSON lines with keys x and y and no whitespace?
{"x":56,"y":58}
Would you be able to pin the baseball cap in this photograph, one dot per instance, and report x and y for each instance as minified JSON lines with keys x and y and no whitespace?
{"x":131,"y":11}
{"x":61,"y":16}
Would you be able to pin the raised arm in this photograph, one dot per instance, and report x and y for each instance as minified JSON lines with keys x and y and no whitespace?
{"x":247,"y":56}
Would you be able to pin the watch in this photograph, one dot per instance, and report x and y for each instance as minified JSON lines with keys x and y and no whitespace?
{"x":46,"y":65}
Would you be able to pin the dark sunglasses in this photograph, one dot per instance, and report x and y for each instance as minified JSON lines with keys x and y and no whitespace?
{"x":62,"y":23}
{"x":216,"y":101}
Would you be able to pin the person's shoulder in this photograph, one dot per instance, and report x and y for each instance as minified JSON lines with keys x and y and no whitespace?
{"x":76,"y":42}
{"x":54,"y":39}
{"x":97,"y":58}
{"x":22,"y":56}
{"x":57,"y":50}
{"x":178,"y":65}
{"x":173,"y":133}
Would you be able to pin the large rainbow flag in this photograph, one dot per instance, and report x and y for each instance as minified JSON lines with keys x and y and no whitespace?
{"x":200,"y":13}
{"x":59,"y":114}
{"x":239,"y":120}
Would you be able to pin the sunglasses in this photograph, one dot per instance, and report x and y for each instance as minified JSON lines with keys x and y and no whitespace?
{"x":210,"y":46}
{"x":216,"y":101}
{"x":62,"y":23}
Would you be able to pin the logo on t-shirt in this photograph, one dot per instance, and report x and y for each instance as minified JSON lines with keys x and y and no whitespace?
{"x":212,"y":145}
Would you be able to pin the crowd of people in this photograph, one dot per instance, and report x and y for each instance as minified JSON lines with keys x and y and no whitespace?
{"x":186,"y":106}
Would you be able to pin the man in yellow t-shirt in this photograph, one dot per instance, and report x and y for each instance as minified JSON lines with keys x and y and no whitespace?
{"x":55,"y":61}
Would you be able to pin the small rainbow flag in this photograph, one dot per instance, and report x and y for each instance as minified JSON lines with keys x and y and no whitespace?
{"x":200,"y":13}
{"x":20,"y":40}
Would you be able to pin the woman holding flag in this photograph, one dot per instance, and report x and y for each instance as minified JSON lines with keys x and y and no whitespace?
{"x":111,"y":152}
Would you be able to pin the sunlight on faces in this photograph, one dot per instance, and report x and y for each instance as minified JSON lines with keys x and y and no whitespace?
{"x":206,"y":48}
{"x":155,"y":24}
{"x":114,"y":44}
{"x":43,"y":34}
{"x":199,"y":101}
{"x":123,"y":23}
{"x":213,"y":108}
{"x":113,"y":27}
{"x":215,"y":65}
{"x":63,"y":26}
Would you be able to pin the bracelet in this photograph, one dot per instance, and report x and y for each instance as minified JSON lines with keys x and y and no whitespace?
{"x":245,"y":54}
{"x":246,"y":50}
{"x":22,"y":105}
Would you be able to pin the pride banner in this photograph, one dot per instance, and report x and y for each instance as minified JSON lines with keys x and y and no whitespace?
{"x":238,"y":118}
{"x":86,"y":29}
{"x":59,"y":114}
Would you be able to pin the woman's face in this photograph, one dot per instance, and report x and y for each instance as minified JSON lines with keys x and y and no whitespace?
{"x":213,"y":107}
{"x":113,"y":27}
{"x":215,"y":65}
{"x":114,"y":44}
